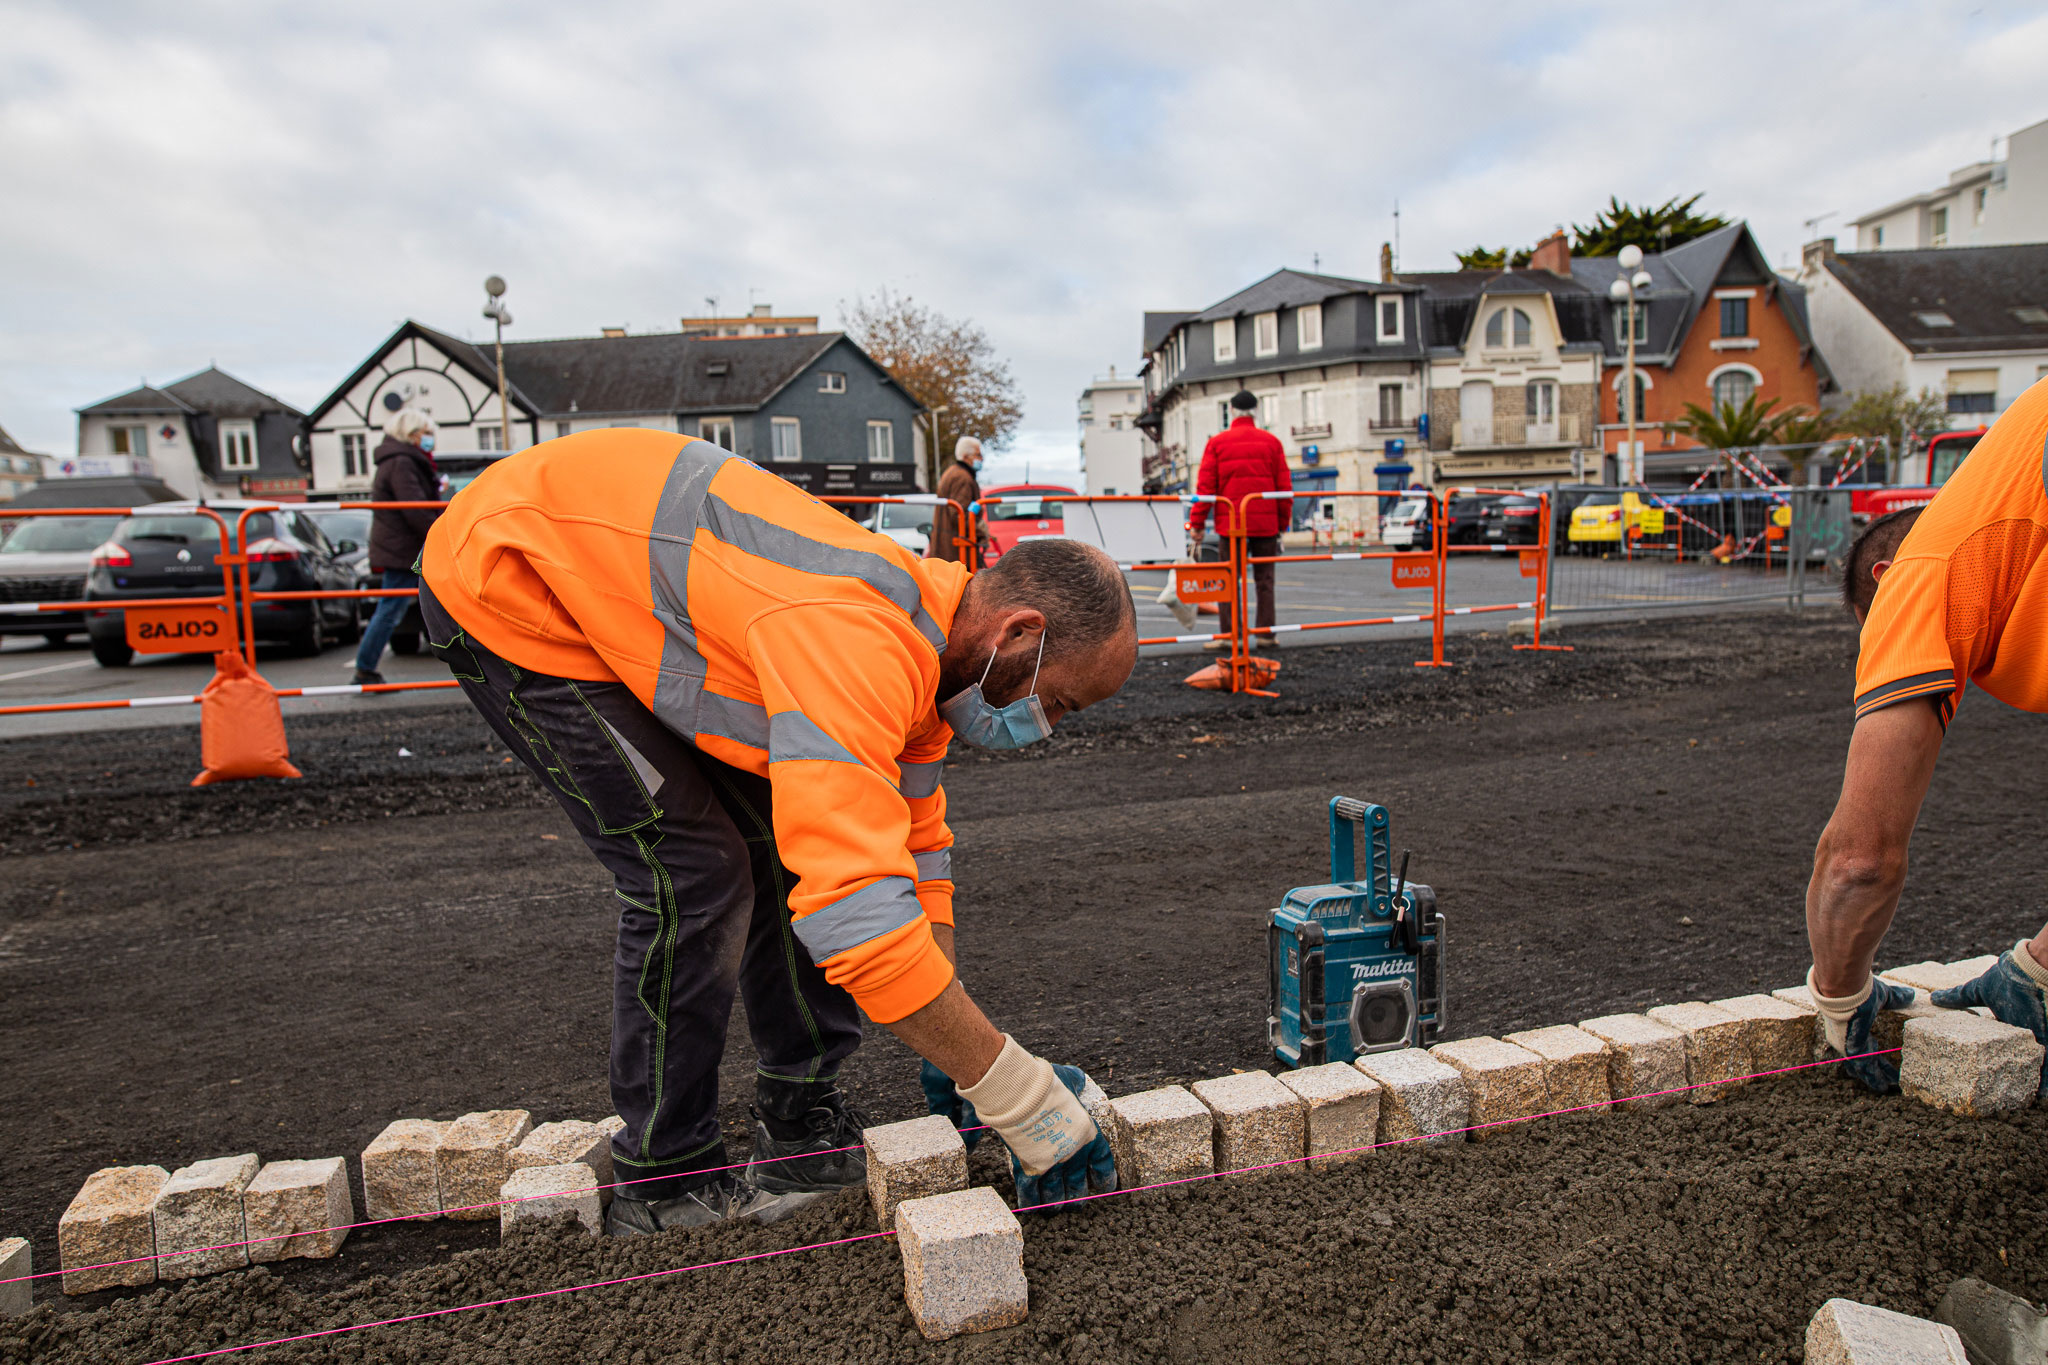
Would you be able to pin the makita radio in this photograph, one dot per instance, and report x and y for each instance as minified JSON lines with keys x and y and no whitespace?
{"x":1356,"y":966}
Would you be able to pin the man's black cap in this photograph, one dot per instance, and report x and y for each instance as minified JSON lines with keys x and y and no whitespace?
{"x":1243,"y":401}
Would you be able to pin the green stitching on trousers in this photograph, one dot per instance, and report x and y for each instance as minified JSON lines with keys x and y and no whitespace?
{"x":766,"y":835}
{"x":665,"y":941}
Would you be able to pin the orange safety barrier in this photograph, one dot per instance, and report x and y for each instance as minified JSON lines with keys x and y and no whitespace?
{"x":1536,"y":558}
{"x":1211,"y":581}
{"x":1408,"y":569}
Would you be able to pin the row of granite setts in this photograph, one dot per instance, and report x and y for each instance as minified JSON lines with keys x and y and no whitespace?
{"x":134,"y":1224}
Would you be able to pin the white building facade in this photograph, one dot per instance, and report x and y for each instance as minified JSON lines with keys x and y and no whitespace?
{"x":1113,"y":448}
{"x":1999,"y":202}
{"x":1969,"y":323}
{"x":208,"y":435}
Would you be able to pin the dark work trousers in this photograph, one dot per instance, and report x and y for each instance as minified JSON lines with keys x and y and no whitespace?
{"x":1262,"y":579}
{"x":703,"y":905}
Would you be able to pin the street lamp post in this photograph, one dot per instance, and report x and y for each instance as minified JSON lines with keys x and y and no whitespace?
{"x":495,"y":310}
{"x":1623,"y":291}
{"x":933,"y":460}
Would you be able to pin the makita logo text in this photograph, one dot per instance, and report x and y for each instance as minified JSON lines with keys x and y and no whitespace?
{"x":1366,"y":971}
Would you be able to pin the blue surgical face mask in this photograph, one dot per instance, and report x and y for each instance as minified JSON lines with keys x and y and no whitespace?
{"x":427,"y":442}
{"x":1020,"y":723}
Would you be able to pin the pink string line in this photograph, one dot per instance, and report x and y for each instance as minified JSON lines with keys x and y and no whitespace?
{"x":1079,"y":1199}
{"x":519,"y":1298}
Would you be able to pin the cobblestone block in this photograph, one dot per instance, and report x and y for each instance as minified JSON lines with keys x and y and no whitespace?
{"x":1781,"y":1033}
{"x":544,"y":1191}
{"x":1258,"y":1122}
{"x":1163,"y":1134}
{"x":1645,"y":1059}
{"x":1716,"y":1047}
{"x":1420,"y":1097}
{"x":1800,"y":998}
{"x":1848,"y":1333}
{"x":1574,"y":1065}
{"x":401,"y":1171}
{"x":1889,"y":1030}
{"x":1096,"y":1103}
{"x":963,"y":1262}
{"x":564,"y":1144}
{"x":1343,"y":1110}
{"x":288,"y":1197}
{"x":16,"y":1264}
{"x":111,"y":1219}
{"x":474,"y":1158}
{"x":613,"y":1125}
{"x":1969,"y":1065}
{"x":914,"y":1159}
{"x":201,"y":1206}
{"x":1505,"y":1082}
{"x":1937,"y":976}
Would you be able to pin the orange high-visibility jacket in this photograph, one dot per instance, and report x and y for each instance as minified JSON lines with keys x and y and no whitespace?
{"x":764,"y":627}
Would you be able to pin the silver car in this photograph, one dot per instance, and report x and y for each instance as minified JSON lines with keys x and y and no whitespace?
{"x":45,"y":559}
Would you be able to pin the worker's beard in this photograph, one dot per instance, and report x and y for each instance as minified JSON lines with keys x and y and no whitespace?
{"x":1009,"y":677}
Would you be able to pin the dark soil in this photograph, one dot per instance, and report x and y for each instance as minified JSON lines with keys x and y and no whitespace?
{"x":286,"y":967}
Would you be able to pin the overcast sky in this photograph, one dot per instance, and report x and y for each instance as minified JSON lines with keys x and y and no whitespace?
{"x":274,"y":187}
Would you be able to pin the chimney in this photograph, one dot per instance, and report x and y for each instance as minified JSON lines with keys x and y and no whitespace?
{"x":1552,"y":254}
{"x":1386,"y":262}
{"x":1816,"y":254}
{"x":763,"y":310}
{"x":614,"y":331}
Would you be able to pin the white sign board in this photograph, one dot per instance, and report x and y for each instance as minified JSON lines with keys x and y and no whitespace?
{"x":1130,"y":532}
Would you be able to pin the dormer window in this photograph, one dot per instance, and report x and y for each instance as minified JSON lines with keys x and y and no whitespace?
{"x":1506,"y":323}
{"x":237,"y":445}
{"x":1266,"y":334}
{"x":1933,"y":318}
{"x":1308,"y":327}
{"x":1389,"y":314}
{"x":1226,"y":341}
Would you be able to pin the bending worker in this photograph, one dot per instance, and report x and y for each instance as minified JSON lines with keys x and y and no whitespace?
{"x":743,"y":701}
{"x":1948,"y":594}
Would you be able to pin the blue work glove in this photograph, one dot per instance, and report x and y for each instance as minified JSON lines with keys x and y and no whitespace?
{"x":942,"y":1097}
{"x":2014,"y":996}
{"x":1091,"y":1170}
{"x":1848,"y":1032}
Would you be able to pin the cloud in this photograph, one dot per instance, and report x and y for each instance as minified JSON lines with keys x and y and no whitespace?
{"x":274,"y":188}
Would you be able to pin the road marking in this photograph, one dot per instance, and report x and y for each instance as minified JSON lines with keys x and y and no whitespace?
{"x":46,"y":668}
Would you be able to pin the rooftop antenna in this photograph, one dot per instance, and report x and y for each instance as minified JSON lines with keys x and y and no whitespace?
{"x":711,"y":305}
{"x":1316,"y":261}
{"x":1813,"y":223}
{"x":1397,"y":236}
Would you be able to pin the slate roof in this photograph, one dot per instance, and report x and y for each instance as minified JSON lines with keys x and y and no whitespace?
{"x":1290,"y":289}
{"x":1976,"y":286}
{"x":665,"y":372}
{"x":116,"y":491}
{"x":1452,"y":298}
{"x":211,"y":391}
{"x":10,"y":446}
{"x":1159,"y":326}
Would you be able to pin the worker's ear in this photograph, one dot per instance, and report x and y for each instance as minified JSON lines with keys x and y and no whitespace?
{"x":1025,"y":624}
{"x":1877,"y":569}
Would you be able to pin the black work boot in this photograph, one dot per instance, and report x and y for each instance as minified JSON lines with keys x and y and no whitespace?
{"x":1997,"y":1328}
{"x":723,"y":1201}
{"x":807,"y":1140}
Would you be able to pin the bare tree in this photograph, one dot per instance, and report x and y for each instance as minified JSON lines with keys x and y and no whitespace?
{"x":943,"y":363}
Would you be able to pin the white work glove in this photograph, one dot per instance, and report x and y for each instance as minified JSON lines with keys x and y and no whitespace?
{"x":1040,"y":1118}
{"x":1836,"y":1011}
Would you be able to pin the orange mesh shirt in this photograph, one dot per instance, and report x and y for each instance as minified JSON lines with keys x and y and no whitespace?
{"x":1966,"y":599}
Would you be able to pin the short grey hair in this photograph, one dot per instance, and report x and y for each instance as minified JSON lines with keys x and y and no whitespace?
{"x":965,"y":446}
{"x":1080,"y":590}
{"x":408,"y":425}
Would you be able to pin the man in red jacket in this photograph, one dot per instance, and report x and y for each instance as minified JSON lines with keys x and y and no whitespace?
{"x":1239,"y":461}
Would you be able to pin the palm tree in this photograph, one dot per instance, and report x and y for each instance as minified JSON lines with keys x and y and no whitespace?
{"x":1731,"y":427}
{"x":1801,"y":431}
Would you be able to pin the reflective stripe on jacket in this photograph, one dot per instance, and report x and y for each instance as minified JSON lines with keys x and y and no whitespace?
{"x":763,"y":626}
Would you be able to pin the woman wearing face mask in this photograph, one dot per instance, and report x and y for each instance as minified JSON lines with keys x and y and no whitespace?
{"x":405,"y":473}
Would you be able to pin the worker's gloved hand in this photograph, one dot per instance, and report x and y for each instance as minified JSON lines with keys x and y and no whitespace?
{"x":1055,"y":1151}
{"x":1847,"y":1021}
{"x":2013,"y":989}
{"x":942,"y":1097}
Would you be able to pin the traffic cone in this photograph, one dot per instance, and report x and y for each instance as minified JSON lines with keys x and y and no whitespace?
{"x":241,"y":728}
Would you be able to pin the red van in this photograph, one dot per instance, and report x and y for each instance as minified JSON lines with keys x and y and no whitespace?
{"x":1018,"y":511}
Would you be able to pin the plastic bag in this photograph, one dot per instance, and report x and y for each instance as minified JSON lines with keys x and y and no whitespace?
{"x":241,"y":728}
{"x":1169,"y":597}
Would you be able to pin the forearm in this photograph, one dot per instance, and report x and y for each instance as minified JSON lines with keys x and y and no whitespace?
{"x":1849,"y":907}
{"x":951,"y":1032}
{"x":942,"y":934}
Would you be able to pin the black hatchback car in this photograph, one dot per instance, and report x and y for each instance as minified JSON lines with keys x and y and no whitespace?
{"x":167,"y":550}
{"x":1465,"y":518}
{"x":1514,"y":521}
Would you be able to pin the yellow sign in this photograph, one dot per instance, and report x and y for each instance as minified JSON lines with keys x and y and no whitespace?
{"x":1653,"y":521}
{"x":1781,"y":515}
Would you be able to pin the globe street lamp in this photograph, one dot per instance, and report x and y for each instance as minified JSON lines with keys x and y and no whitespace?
{"x":1623,"y":291}
{"x":497,"y":312}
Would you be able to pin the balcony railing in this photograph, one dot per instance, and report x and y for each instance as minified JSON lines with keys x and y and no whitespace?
{"x":1392,"y":424}
{"x":1312,"y":432}
{"x":1508,"y":433}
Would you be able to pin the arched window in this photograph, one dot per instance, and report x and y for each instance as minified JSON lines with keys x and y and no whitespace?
{"x":1496,"y":327}
{"x":1733,"y":388}
{"x":1521,"y":328}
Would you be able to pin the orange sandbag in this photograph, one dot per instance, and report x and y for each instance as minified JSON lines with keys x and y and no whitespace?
{"x":241,"y":729}
{"x":1259,"y":672}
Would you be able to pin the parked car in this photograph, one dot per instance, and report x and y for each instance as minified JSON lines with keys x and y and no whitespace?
{"x":1407,"y":525}
{"x":909,"y":524}
{"x":1602,"y":518}
{"x":348,"y":530}
{"x":44,"y":559}
{"x":1516,"y":520}
{"x":1020,"y":511}
{"x":167,"y":550}
{"x":1465,"y":518}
